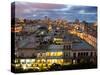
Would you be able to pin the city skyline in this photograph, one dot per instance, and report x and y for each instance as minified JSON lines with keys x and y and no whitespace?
{"x":54,"y":11}
{"x":53,"y":37}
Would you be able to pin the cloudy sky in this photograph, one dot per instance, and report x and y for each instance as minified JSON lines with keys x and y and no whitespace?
{"x":69,"y":12}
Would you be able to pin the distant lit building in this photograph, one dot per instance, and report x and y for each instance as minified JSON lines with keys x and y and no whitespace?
{"x":17,"y":28}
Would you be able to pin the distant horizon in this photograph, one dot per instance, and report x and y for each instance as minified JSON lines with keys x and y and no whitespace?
{"x":30,"y":10}
{"x":61,"y":19}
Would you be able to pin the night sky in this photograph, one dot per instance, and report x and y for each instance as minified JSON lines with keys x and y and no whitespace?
{"x":68,"y":12}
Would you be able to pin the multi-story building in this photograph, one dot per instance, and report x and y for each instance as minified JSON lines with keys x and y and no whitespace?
{"x":63,"y":50}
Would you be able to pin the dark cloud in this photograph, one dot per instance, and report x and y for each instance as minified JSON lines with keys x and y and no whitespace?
{"x":39,"y":10}
{"x":87,"y":9}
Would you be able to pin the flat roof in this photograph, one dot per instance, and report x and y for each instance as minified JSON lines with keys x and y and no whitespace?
{"x":82,"y":45}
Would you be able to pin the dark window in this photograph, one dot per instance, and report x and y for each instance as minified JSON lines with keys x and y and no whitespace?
{"x":86,"y":53}
{"x":33,"y":55}
{"x":78,"y":54}
{"x":91,"y":54}
{"x":69,"y":47}
{"x":66,"y":54}
{"x":81,"y":54}
{"x":95,"y":54}
{"x":22,"y":55}
{"x":64,"y":47}
{"x":74,"y":54}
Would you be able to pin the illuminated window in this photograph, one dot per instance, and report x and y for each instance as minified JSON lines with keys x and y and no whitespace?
{"x":29,"y":65}
{"x":40,"y":65}
{"x":59,"y":53}
{"x":53,"y":61}
{"x":33,"y":60}
{"x":39,"y":55}
{"x":24,"y":66}
{"x":16,"y":60}
{"x":59,"y":61}
{"x":28,"y":60}
{"x":44,"y":65}
{"x":38,"y":61}
{"x":22,"y":61}
{"x":43,"y":60}
{"x":48,"y":54}
{"x":43,"y":54}
{"x":54,"y":53}
{"x":58,"y":40}
{"x":17,"y":65}
{"x":49,"y":60}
